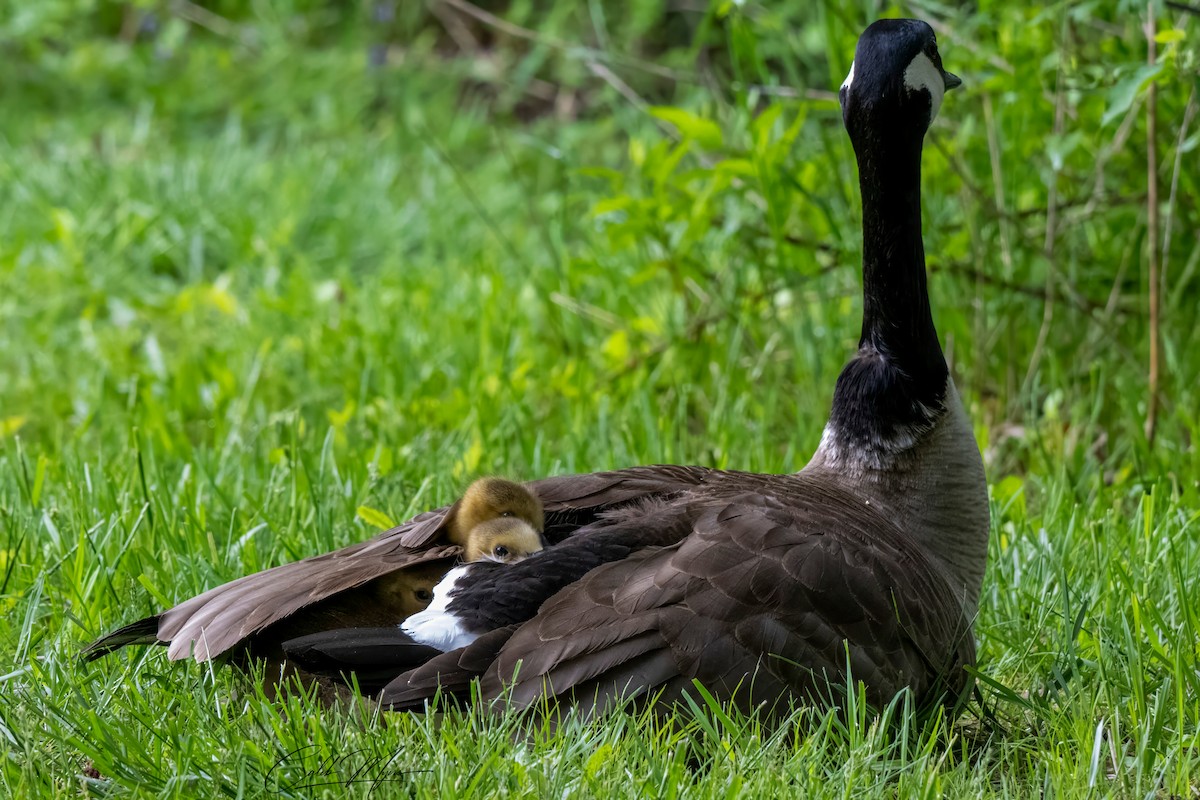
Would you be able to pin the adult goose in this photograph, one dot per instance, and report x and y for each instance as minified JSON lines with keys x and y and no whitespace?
{"x":761,"y":587}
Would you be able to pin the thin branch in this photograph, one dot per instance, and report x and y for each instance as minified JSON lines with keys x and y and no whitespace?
{"x":1188,"y":114}
{"x":625,"y":90}
{"x":699,"y":324}
{"x":1152,"y":224}
{"x":1189,"y":8}
{"x":786,"y":92}
{"x":946,"y":32}
{"x":1081,"y":302}
{"x":503,"y":25}
{"x":198,"y":15}
{"x":1104,"y":318}
{"x":469,"y":193}
{"x":1124,"y":130}
{"x":1185,"y":277}
{"x":1060,"y":104}
{"x":455,"y":28}
{"x":998,"y":201}
{"x":593,"y":56}
{"x":1002,"y":224}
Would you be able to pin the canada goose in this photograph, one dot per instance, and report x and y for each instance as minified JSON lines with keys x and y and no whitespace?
{"x":762,"y":587}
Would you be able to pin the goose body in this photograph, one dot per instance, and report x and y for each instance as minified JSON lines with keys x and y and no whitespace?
{"x":762,"y":587}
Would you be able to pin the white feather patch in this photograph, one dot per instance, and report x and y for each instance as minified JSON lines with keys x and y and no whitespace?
{"x":853,"y":455}
{"x":923,"y":74}
{"x":849,"y":77}
{"x":435,"y":626}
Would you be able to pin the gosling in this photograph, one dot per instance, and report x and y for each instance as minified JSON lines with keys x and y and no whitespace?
{"x":497,"y":520}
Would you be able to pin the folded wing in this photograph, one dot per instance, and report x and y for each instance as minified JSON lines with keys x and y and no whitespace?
{"x":765,"y":599}
{"x":228,"y":617}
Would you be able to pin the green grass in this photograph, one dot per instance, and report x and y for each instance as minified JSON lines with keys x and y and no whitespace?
{"x":245,"y":291}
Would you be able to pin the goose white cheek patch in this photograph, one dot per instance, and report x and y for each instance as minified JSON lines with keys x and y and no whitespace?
{"x":849,"y":77}
{"x":923,"y":74}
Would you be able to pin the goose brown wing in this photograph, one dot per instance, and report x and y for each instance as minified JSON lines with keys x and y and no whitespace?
{"x":450,"y":673}
{"x":618,"y":487}
{"x":373,"y":655}
{"x":769,"y":597}
{"x":225,"y":617}
{"x":573,"y":500}
{"x":217,"y":621}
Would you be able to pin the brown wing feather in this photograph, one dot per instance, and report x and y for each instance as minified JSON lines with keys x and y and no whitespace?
{"x":227,"y":616}
{"x":771,"y":594}
{"x":222,"y":618}
{"x":451,"y":672}
{"x":618,"y":487}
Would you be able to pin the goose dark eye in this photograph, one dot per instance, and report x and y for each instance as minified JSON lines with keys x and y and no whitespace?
{"x":424,"y":595}
{"x":506,"y":513}
{"x":501,"y":551}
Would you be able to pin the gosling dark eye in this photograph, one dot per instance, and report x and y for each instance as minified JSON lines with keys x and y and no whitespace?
{"x":424,"y":595}
{"x":500,"y":552}
{"x":506,"y":513}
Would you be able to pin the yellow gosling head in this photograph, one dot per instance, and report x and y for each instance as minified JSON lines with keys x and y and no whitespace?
{"x":494,"y":499}
{"x":506,"y":540}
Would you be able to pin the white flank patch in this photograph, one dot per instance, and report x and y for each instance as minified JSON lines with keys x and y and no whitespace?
{"x":922,"y":74}
{"x":849,"y":77}
{"x":435,"y":626}
{"x":855,"y":456}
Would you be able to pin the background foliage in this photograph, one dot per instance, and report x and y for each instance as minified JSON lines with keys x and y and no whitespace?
{"x":268,"y":268}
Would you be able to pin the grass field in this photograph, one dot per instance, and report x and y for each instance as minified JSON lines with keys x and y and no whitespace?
{"x":258,"y":296}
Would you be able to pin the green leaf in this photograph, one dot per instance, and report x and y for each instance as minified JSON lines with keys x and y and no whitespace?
{"x":10,"y":425}
{"x":616,"y":348}
{"x":704,"y":131}
{"x":1121,"y":96}
{"x":763,"y":124}
{"x":737,"y":166}
{"x":159,"y":597}
{"x":610,"y":205}
{"x":375,"y":517}
{"x":1010,"y":496}
{"x":39,"y":480}
{"x":596,"y":761}
{"x":1058,"y":148}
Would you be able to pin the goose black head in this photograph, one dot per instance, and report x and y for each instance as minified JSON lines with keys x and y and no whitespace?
{"x":896,"y":82}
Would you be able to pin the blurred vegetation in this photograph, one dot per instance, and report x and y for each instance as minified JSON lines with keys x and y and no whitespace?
{"x":705,"y":167}
{"x":268,"y":267}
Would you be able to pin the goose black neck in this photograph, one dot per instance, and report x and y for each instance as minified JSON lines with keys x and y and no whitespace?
{"x":896,"y":384}
{"x":897,"y":322}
